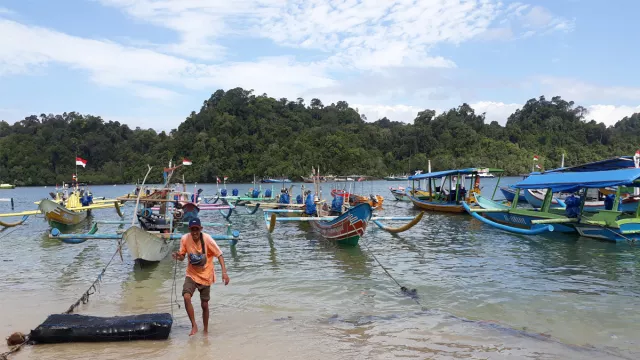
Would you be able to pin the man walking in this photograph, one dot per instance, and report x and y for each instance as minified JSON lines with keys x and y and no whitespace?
{"x":200,"y":249}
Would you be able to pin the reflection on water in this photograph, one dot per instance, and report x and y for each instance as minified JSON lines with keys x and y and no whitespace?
{"x":482,"y":293}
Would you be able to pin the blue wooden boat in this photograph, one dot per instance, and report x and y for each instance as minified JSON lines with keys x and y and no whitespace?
{"x":509,"y":193}
{"x":615,"y":221}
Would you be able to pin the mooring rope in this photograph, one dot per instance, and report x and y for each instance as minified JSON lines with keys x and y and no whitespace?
{"x":85,"y":296}
{"x":173,"y":288}
{"x":413,"y":293}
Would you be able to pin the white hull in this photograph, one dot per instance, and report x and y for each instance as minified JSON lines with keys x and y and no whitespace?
{"x":147,"y":246}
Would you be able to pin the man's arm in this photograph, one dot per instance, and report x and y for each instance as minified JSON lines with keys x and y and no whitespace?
{"x":225,"y":277}
{"x":179,"y":255}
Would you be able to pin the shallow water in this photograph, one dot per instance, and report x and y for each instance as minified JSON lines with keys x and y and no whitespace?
{"x":483,"y":293}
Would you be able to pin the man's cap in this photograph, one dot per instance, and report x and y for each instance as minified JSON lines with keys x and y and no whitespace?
{"x":195,"y":222}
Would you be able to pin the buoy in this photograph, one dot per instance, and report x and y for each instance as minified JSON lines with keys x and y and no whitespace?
{"x":16,"y":338}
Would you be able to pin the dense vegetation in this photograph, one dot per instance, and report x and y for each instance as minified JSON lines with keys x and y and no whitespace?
{"x":239,"y":135}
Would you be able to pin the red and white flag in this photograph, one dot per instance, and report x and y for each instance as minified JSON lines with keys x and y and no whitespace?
{"x":537,"y":166}
{"x":186,"y":162}
{"x":80,"y":161}
{"x":217,"y":180}
{"x":535,"y":158}
{"x":225,"y":178}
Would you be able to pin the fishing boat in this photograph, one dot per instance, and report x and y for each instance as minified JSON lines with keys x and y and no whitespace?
{"x":509,"y":193}
{"x":397,"y":178}
{"x":338,"y":223}
{"x":399,"y":193}
{"x":7,"y":186}
{"x":561,"y":218}
{"x":154,"y":237}
{"x":451,"y":193}
{"x":275,"y":181}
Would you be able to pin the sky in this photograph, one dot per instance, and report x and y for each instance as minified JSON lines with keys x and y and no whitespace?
{"x":149,"y":63}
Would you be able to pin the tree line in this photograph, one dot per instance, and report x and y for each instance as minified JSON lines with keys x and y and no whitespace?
{"x":239,"y":134}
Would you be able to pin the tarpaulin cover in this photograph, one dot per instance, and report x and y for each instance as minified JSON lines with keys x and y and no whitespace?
{"x":59,"y":328}
{"x":574,"y":181}
{"x":439,"y":174}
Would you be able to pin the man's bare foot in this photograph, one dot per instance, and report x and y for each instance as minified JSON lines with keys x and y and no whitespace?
{"x":206,"y":332}
{"x":194,"y":330}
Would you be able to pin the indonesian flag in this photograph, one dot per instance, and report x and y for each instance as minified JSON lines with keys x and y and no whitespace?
{"x":80,"y":161}
{"x":217,"y":180}
{"x":535,"y":158}
{"x":186,"y":162}
{"x":638,"y":153}
{"x":225,"y":178}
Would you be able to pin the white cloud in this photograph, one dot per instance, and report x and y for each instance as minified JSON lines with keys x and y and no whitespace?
{"x":402,"y":113}
{"x":356,"y":34}
{"x":495,"y":111}
{"x":524,"y":21}
{"x":610,"y":114}
{"x":379,"y":53}
{"x":581,"y":91}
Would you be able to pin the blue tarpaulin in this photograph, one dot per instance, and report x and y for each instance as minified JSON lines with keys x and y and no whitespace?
{"x":574,"y":181}
{"x":439,"y":174}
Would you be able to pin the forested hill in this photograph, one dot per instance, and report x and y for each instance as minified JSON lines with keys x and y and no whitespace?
{"x":239,"y":135}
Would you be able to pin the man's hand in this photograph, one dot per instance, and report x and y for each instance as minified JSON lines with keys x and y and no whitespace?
{"x":225,"y":278}
{"x":177,"y":256}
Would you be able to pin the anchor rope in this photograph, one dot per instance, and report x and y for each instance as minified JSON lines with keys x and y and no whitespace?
{"x":410,"y":292}
{"x":173,"y":288}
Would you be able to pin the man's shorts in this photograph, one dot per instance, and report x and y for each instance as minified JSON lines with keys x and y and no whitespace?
{"x":190,"y":287}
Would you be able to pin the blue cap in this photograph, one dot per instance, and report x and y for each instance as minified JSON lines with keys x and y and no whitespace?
{"x":195,"y":222}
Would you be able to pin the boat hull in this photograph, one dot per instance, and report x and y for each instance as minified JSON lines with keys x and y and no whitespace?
{"x":400,"y":195}
{"x":146,"y":246}
{"x":439,"y":206}
{"x":523,"y":221}
{"x":518,"y":218}
{"x":58,"y":214}
{"x":346,"y":229}
{"x":510,"y":194}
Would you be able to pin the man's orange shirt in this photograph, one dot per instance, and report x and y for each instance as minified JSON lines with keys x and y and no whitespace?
{"x":203,"y":275}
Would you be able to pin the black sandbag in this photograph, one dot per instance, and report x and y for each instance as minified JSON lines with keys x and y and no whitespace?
{"x":59,"y":328}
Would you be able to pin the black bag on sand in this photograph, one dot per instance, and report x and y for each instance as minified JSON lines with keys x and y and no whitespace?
{"x":59,"y":328}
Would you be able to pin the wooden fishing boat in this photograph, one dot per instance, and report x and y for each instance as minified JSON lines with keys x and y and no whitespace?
{"x":347,"y":228}
{"x":509,"y":193}
{"x":609,"y":222}
{"x":337,"y":223}
{"x":452,"y":192}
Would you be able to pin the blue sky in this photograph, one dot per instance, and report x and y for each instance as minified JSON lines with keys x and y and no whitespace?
{"x":149,"y":63}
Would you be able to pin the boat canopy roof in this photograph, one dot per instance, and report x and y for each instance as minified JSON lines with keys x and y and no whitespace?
{"x":574,"y":181}
{"x":620,"y":162}
{"x":467,"y":171}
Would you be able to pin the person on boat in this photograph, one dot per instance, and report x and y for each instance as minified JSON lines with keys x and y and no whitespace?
{"x":200,"y":249}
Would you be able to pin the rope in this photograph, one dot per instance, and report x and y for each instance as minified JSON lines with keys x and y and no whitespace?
{"x":173,"y":288}
{"x":84,"y":298}
{"x":5,"y":355}
{"x":413,"y":293}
